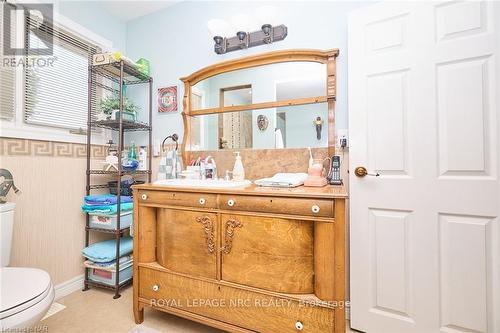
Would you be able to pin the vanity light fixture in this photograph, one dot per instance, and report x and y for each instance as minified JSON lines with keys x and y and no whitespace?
{"x":242,"y":37}
{"x":220,"y":29}
{"x":267,"y":29}
{"x":243,"y":40}
{"x":218,"y":47}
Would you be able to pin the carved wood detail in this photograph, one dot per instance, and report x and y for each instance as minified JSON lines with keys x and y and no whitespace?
{"x":228,"y":239}
{"x":208,"y":228}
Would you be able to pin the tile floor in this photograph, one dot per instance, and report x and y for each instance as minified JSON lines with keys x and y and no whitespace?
{"x":96,"y":311}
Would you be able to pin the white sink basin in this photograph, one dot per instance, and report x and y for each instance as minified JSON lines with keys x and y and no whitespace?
{"x":203,"y":183}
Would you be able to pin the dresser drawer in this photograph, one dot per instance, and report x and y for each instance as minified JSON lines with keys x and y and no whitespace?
{"x":248,"y":309}
{"x":278,"y":205}
{"x":195,"y":200}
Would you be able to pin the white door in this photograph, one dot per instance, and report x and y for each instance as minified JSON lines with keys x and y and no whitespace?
{"x":424,"y":97}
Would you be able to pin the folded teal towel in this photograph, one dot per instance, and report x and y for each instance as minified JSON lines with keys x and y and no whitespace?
{"x":108,"y":209}
{"x":105,"y":199}
{"x":106,"y":251}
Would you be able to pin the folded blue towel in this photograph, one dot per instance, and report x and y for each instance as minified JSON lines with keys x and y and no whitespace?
{"x":105,"y":199}
{"x":108,"y":209}
{"x":106,"y":251}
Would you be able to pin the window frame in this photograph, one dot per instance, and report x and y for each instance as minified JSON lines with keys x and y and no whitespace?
{"x":18,"y":128}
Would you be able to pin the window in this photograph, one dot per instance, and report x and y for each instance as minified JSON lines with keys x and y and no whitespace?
{"x":7,"y":73}
{"x":56,"y":92}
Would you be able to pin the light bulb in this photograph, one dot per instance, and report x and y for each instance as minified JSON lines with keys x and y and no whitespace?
{"x":243,"y":22}
{"x":218,"y":27}
{"x":267,"y":15}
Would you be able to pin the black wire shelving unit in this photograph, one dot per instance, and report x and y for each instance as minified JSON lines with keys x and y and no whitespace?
{"x":121,"y":74}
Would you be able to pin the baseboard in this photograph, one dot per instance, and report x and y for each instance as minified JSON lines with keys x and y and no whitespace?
{"x":68,"y":287}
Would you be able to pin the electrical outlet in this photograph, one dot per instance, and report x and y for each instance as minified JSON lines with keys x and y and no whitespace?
{"x":342,"y":138}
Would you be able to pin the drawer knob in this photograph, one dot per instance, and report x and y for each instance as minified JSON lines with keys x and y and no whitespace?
{"x":299,"y":326}
{"x":315,"y":209}
{"x":144,"y":196}
{"x":156,"y":287}
{"x":231,"y":202}
{"x":202,"y":201}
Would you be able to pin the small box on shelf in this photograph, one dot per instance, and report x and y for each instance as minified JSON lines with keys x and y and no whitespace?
{"x":108,"y":276}
{"x":109,"y":222}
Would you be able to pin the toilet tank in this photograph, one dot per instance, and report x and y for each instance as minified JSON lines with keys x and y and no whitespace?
{"x":6,"y":227}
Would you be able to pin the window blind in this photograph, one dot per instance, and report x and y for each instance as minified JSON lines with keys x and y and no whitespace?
{"x":56,"y":92}
{"x":7,"y":73}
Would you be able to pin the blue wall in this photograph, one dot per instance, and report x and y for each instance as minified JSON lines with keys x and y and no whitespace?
{"x":94,"y":17}
{"x":177,"y":43}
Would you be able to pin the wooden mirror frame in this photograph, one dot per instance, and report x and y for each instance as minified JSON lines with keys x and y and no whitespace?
{"x":327,"y":57}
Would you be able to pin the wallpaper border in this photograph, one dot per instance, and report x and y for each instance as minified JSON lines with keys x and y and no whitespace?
{"x":28,"y":147}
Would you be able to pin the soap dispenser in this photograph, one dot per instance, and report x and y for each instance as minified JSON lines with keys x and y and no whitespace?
{"x":238,"y":170}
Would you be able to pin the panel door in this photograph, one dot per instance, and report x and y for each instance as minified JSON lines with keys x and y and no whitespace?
{"x":186,"y":242}
{"x":423,"y":113}
{"x":269,"y":253}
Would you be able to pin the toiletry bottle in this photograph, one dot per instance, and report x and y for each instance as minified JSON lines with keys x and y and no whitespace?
{"x":210,"y":168}
{"x":143,"y":158}
{"x":132,"y":153}
{"x":202,"y":170}
{"x":311,"y":159}
{"x":238,"y":170}
{"x":209,"y":171}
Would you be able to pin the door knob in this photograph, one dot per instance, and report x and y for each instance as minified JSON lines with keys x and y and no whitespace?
{"x":361,"y":172}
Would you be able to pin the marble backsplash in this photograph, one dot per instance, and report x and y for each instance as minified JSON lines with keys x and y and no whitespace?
{"x":260,"y":163}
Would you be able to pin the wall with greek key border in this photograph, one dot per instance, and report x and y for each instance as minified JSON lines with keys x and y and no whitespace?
{"x":49,"y":225}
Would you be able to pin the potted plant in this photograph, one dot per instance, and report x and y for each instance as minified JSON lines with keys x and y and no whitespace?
{"x":111,"y":104}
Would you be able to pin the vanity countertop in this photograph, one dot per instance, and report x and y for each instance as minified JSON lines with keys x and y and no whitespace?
{"x":329,"y":191}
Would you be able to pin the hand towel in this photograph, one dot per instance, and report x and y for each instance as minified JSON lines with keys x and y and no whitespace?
{"x":106,"y":251}
{"x":283,"y":180}
{"x":108,"y":209}
{"x":105,"y":199}
{"x":278,"y":139}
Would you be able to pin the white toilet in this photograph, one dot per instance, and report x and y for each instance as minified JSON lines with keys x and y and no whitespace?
{"x":26,"y":294}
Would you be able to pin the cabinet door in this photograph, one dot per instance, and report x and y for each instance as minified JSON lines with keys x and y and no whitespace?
{"x":269,"y":253}
{"x":186,"y":242}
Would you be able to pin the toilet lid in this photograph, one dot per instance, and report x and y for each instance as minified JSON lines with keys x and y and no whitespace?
{"x":19,"y":286}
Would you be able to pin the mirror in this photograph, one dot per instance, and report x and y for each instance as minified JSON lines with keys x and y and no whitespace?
{"x":284,"y":127}
{"x":269,"y":83}
{"x":238,"y":95}
{"x":279,"y":99}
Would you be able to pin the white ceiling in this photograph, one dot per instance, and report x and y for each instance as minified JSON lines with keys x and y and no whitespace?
{"x":132,"y":9}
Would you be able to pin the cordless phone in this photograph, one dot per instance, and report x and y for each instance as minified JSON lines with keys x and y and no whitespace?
{"x":334,"y":177}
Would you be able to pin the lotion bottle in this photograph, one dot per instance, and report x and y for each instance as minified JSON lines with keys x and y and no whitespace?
{"x":238,"y":170}
{"x":143,"y":158}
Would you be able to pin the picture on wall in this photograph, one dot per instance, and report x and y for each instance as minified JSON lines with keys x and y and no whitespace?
{"x":167,"y":99}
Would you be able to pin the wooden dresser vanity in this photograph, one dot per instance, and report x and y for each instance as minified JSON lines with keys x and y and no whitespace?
{"x":242,"y":260}
{"x":249,"y":259}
